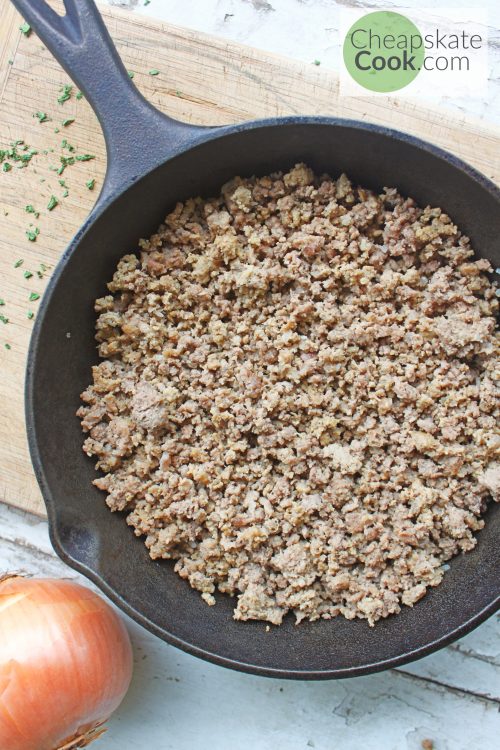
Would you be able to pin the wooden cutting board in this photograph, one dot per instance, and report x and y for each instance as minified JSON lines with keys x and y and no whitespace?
{"x":201,"y":79}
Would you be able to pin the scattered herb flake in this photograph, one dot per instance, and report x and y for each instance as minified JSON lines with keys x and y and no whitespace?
{"x":317,"y":62}
{"x":4,"y":319}
{"x":65,"y":162}
{"x":11,"y":62}
{"x":84,"y":157}
{"x":79,"y":95}
{"x":178,"y":93}
{"x":146,"y":2}
{"x":7,"y":346}
{"x":31,"y":210}
{"x":90,"y":184}
{"x":18,"y":152}
{"x":131,"y":73}
{"x":25,"y":29}
{"x":67,"y":145}
{"x":41,"y":116}
{"x":30,"y":315}
{"x":154,"y":72}
{"x":32,"y":234}
{"x":56,"y":130}
{"x":27,"y":274}
{"x":62,"y":183}
{"x":34,"y":296}
{"x":19,"y":263}
{"x":2,"y":302}
{"x":65,"y":93}
{"x":65,"y":194}
{"x":67,"y":122}
{"x":53,"y":202}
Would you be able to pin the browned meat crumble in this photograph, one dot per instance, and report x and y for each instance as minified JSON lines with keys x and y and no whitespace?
{"x":299,"y":396}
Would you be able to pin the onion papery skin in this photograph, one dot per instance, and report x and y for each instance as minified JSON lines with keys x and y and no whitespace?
{"x":65,"y":662}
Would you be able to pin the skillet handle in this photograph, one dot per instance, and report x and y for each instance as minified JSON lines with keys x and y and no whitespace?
{"x":138,"y":136}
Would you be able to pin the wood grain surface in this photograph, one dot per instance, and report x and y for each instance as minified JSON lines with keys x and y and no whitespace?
{"x":201,"y":79}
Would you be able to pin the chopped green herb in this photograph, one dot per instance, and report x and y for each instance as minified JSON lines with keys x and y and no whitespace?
{"x":67,"y":145}
{"x":53,"y":202}
{"x":31,"y":210}
{"x":65,"y":162}
{"x":146,"y":2}
{"x":27,"y":274}
{"x":62,"y":183}
{"x":65,"y":194}
{"x":18,"y":152}
{"x":178,"y":93}
{"x":34,"y":296}
{"x":317,"y":62}
{"x":25,"y":29}
{"x":67,"y":122}
{"x":131,"y":73}
{"x":79,"y":95}
{"x":32,"y":234}
{"x":85,"y":157}
{"x":56,"y":130}
{"x":7,"y":346}
{"x":42,"y":179}
{"x":19,"y":263}
{"x":4,"y":319}
{"x":65,"y":93}
{"x":154,"y":72}
{"x":42,"y":116}
{"x":90,"y":184}
{"x":30,"y":315}
{"x":11,"y":62}
{"x":2,"y":302}
{"x":6,"y":166}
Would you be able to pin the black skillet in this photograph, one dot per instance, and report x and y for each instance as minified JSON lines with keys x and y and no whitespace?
{"x":154,"y":161}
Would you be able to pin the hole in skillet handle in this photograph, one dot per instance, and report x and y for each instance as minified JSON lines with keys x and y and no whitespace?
{"x":138,"y":136}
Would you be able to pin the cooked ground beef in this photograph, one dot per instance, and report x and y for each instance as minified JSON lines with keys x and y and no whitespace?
{"x":299,"y":396}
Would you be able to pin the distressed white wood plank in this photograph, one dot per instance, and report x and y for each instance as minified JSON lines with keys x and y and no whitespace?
{"x":463,"y":666}
{"x":309,"y":29}
{"x":203,"y":706}
{"x":183,"y":703}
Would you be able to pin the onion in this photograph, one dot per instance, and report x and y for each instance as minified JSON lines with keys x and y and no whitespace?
{"x":65,"y":664}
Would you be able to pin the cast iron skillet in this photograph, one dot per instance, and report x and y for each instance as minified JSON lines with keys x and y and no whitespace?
{"x":154,"y":161}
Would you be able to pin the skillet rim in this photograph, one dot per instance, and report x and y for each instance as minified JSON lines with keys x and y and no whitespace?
{"x":94,"y":576}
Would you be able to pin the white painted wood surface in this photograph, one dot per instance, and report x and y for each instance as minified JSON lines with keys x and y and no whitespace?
{"x":178,"y":702}
{"x":308,"y":30}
